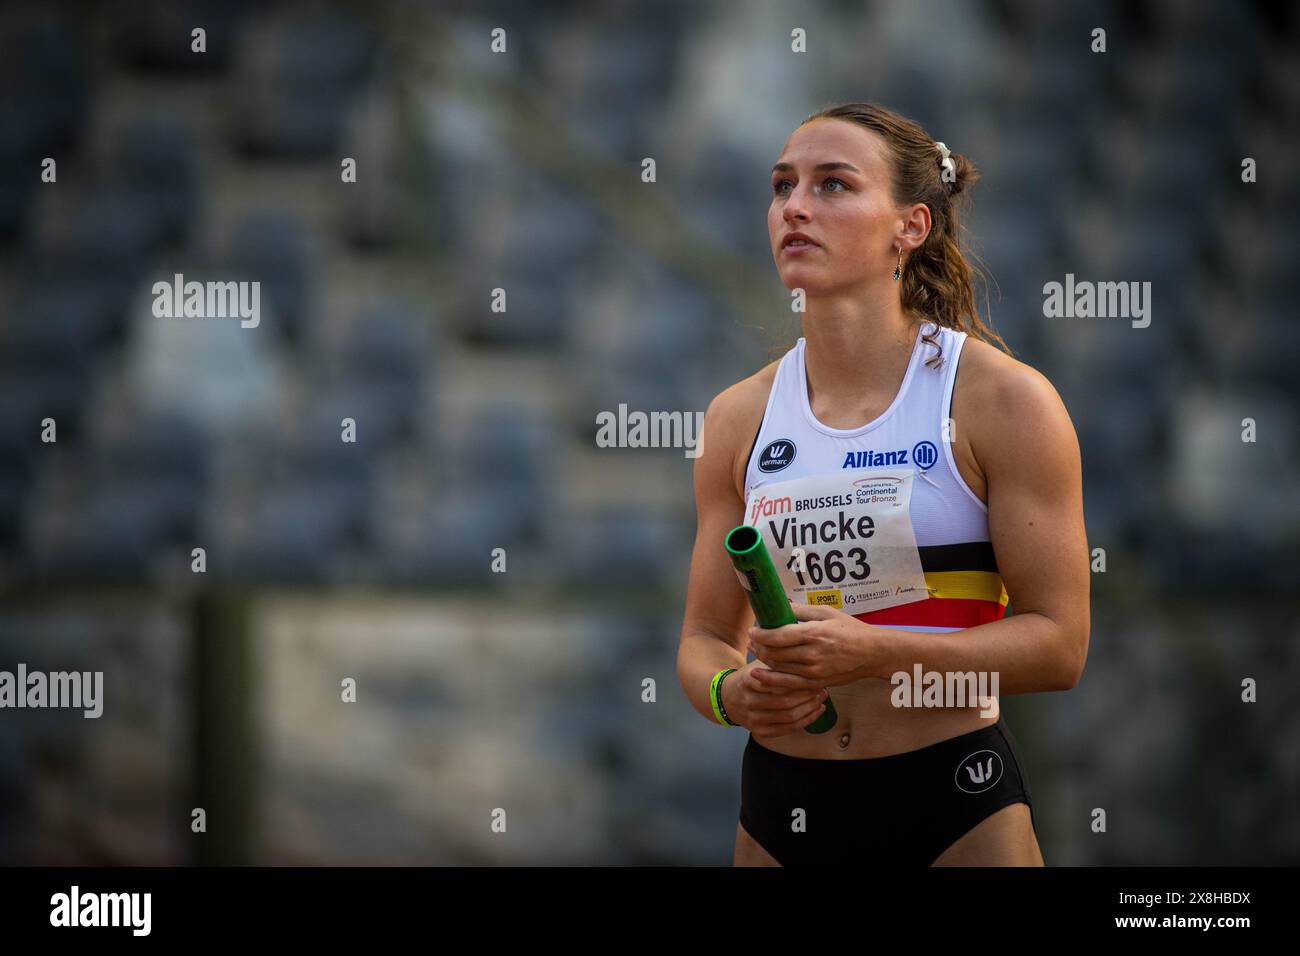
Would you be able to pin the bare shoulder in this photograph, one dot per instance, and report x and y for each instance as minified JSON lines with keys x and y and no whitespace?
{"x":733,"y":418}
{"x":1000,"y":396}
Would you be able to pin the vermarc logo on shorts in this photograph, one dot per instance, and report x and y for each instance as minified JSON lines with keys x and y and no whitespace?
{"x":979,"y":772}
{"x":102,"y":909}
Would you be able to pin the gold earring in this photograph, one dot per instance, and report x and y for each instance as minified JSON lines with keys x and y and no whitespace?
{"x":898,"y":269}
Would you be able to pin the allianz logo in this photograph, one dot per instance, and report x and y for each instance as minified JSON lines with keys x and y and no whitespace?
{"x":923,"y":455}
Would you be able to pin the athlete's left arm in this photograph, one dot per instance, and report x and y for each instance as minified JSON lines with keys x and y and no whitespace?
{"x":1023,"y":441}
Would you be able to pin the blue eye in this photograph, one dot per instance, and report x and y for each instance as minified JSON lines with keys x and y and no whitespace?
{"x":776,"y":187}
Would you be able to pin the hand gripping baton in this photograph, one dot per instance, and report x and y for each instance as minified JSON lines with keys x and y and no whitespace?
{"x":766,"y":596}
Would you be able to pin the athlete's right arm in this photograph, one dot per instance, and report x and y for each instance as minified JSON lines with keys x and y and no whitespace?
{"x":717,"y":612}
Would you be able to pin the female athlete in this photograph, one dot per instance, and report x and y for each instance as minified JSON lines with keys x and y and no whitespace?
{"x":909,"y":478}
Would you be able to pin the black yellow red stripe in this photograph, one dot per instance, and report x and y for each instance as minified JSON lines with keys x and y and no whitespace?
{"x":964,"y":587}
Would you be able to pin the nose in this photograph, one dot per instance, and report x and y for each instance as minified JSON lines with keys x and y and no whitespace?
{"x":795,"y":207}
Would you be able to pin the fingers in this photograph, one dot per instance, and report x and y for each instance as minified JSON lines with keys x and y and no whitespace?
{"x":786,"y":659}
{"x":766,"y":680}
{"x":813,"y":612}
{"x":801,"y":717}
{"x":786,"y":635}
{"x":780,"y":702}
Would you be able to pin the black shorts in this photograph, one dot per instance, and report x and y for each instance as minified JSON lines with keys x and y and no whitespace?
{"x":904,"y":809}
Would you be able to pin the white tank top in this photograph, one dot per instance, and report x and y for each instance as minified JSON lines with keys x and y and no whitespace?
{"x":942,"y":570}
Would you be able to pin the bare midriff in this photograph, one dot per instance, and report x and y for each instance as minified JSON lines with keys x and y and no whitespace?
{"x":870,"y":725}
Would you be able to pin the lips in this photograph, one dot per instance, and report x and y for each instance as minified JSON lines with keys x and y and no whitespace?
{"x":798,"y":240}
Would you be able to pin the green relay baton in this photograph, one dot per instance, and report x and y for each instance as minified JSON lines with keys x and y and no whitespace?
{"x":766,"y":596}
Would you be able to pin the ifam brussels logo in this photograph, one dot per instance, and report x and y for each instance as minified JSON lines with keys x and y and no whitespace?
{"x":777,"y":455}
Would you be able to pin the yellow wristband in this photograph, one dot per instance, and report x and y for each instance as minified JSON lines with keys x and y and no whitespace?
{"x":715,"y":696}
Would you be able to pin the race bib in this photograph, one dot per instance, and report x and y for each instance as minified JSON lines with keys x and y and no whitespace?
{"x":842,"y":540}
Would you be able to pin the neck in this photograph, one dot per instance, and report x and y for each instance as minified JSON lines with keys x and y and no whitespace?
{"x":856,"y":352}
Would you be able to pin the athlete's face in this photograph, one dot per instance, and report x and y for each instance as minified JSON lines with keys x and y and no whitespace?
{"x":846,"y":210}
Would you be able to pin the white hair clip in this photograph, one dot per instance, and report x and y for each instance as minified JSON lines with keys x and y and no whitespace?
{"x":947,"y":162}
